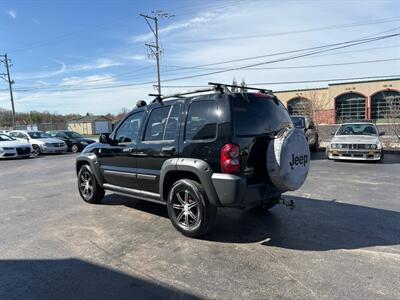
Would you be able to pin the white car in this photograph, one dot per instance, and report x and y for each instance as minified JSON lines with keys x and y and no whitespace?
{"x":356,"y":141}
{"x":41,"y":142}
{"x":11,"y":148}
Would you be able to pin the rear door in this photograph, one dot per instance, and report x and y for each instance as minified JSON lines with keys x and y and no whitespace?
{"x":118,"y":160}
{"x":159,"y":143}
{"x":256,"y":119}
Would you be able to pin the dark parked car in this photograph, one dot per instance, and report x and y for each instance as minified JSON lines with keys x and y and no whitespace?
{"x":199,"y":152}
{"x":74,"y":140}
{"x":305,"y":123}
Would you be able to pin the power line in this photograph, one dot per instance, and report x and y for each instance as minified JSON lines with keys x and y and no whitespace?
{"x":244,"y":37}
{"x":302,"y":66}
{"x":296,"y":82}
{"x":310,"y":53}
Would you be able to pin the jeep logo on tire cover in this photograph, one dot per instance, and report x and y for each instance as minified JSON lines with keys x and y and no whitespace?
{"x":298,"y":160}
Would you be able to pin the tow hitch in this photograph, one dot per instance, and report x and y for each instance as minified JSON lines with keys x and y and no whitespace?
{"x":287,"y":203}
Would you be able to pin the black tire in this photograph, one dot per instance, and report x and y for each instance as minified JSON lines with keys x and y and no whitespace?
{"x":36,"y":150}
{"x":189,"y":210}
{"x":382,"y":157}
{"x":74,"y":148}
{"x":315,"y":147}
{"x":88,"y":187}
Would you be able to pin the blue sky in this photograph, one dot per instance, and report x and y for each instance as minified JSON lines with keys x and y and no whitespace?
{"x":71,"y":56}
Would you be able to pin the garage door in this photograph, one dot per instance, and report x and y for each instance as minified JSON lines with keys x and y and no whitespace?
{"x":101,"y":127}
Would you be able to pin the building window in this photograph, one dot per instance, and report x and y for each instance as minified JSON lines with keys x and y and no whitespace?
{"x":385,"y":106}
{"x":299,"y":107}
{"x":349,"y":106}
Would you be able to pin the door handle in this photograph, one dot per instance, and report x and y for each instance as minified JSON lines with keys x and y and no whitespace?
{"x":168,"y":150}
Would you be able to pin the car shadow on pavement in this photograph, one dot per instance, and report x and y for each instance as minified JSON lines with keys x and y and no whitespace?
{"x":314,"y":225}
{"x":76,"y":279}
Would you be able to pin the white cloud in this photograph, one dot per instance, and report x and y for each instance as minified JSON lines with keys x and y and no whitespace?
{"x":76,"y":81}
{"x":12,"y":14}
{"x":41,"y":75}
{"x":138,"y":57}
{"x":100,"y":63}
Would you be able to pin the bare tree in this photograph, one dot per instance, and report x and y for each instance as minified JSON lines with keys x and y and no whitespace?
{"x":313,"y":103}
{"x":234,"y":89}
{"x":243,"y":86}
{"x":393,"y":114}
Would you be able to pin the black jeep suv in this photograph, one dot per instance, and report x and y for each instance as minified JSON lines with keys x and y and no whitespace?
{"x":199,"y":152}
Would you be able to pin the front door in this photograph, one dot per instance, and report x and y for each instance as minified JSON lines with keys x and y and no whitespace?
{"x":159,"y":143}
{"x":118,"y":161}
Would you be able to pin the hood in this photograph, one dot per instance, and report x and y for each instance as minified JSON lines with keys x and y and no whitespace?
{"x":355,"y":139}
{"x":49,"y":140}
{"x":13,"y":144}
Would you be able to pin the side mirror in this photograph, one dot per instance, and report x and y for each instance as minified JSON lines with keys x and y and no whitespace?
{"x":381,"y":133}
{"x":105,"y":138}
{"x":332,"y":133}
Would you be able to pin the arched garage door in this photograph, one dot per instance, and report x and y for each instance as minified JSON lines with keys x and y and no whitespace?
{"x":349,"y":106}
{"x":385,"y":105}
{"x":299,"y":107}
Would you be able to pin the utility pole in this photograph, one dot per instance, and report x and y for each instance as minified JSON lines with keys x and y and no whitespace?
{"x":155,"y":49}
{"x":10,"y":83}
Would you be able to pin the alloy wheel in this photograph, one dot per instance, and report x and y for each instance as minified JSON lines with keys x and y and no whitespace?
{"x":186,"y":210}
{"x":86,"y":184}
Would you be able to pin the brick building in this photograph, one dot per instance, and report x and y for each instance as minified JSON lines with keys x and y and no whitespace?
{"x":360,"y":100}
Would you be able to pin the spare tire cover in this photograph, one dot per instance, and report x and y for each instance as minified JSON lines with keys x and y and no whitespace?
{"x":288,"y":159}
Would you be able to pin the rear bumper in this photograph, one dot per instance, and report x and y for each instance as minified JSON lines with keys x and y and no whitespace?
{"x":355,"y":154}
{"x":233,"y":191}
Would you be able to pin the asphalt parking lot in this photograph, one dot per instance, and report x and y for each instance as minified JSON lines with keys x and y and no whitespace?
{"x":342,"y":241}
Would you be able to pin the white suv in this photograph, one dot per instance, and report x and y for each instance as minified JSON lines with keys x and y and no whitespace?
{"x":41,"y":142}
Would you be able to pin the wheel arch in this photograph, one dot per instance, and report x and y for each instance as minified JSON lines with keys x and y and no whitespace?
{"x":94,"y":165}
{"x":190,"y":168}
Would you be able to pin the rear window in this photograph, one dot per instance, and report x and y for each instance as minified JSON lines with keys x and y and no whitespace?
{"x":254,"y":115}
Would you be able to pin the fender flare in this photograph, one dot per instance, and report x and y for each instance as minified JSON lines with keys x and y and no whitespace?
{"x":196,"y":166}
{"x":92,"y":161}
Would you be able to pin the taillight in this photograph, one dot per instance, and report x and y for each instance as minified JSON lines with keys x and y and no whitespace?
{"x":230,"y":159}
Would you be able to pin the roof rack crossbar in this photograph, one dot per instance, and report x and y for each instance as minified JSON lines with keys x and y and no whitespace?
{"x":159,"y":98}
{"x":262,"y":90}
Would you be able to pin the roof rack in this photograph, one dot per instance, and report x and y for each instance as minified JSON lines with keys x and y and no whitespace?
{"x":261,"y":90}
{"x":217,"y":87}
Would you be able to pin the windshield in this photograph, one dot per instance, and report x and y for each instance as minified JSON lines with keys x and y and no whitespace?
{"x":298,"y":122}
{"x":4,"y":137}
{"x":257,"y":115}
{"x":73,"y":135}
{"x":357,"y":129}
{"x":38,"y":135}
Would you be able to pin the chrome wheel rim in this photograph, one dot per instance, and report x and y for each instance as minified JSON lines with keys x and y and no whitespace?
{"x":74,"y":148}
{"x":186,"y":210}
{"x":86,"y":184}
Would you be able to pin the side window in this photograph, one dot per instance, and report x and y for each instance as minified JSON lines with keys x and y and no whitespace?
{"x":129,"y":129}
{"x":156,"y":124}
{"x":172,"y":123}
{"x":201,"y":122}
